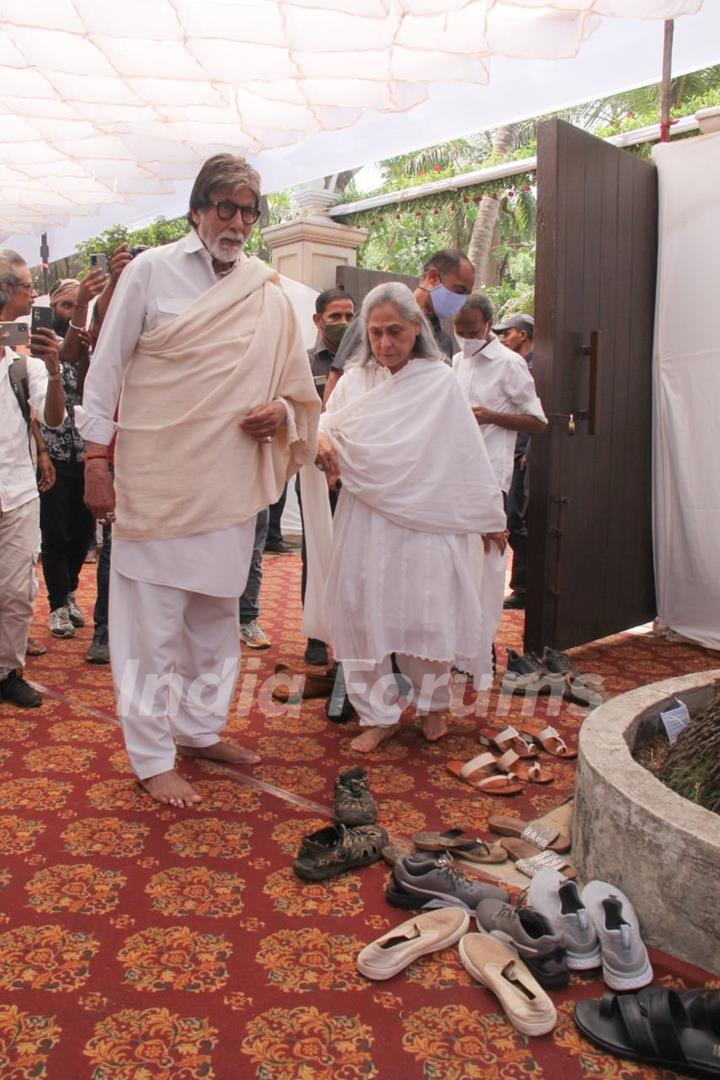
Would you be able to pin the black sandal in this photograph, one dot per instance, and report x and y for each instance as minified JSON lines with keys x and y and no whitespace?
{"x":654,"y":1027}
{"x":335,"y":849}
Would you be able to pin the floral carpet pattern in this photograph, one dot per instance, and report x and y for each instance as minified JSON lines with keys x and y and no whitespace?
{"x":141,"y":942}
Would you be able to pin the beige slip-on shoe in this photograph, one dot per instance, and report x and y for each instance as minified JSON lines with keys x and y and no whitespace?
{"x":526,"y":1005}
{"x":428,"y":932}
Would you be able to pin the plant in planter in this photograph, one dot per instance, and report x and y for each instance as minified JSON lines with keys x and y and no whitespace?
{"x":692,"y":767}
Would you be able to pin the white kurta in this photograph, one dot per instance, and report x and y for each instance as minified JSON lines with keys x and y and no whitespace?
{"x":400,"y":577}
{"x":498,"y":379}
{"x":152,"y":292}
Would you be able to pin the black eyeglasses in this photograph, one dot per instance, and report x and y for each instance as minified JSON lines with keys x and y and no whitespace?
{"x":226,"y":210}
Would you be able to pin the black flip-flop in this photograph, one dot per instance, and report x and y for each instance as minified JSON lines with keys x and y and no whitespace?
{"x":653,"y":1027}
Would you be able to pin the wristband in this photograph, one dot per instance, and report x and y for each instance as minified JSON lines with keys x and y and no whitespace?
{"x":55,"y":378}
{"x":44,"y":451}
{"x":96,"y":457}
{"x":80,"y":329}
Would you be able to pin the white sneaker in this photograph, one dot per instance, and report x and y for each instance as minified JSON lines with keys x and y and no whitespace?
{"x":253,"y":635}
{"x":76,"y":616}
{"x":60,"y":624}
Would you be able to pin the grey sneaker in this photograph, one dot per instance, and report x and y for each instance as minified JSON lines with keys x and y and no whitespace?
{"x":431,"y":881}
{"x":354,"y":804}
{"x":625,"y":962}
{"x":558,"y":663}
{"x":526,"y":675}
{"x":253,"y":635}
{"x":99,"y":651}
{"x":60,"y":624}
{"x":74,"y":613}
{"x":558,"y":899}
{"x":530,"y":935}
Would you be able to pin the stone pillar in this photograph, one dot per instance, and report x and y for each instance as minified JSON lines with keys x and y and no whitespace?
{"x":309,"y":248}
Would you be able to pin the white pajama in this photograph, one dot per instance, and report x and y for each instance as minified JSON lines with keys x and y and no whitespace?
{"x":175,"y":658}
{"x":373,"y":691}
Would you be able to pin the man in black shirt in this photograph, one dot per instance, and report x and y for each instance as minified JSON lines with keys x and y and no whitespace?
{"x":517,"y":333}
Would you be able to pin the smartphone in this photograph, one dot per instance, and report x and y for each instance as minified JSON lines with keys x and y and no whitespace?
{"x":138,"y":249}
{"x":14,"y":334}
{"x":99,"y":260}
{"x":42,"y":317}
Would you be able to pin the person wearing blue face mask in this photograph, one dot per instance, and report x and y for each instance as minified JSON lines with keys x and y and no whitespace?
{"x":447,"y":281}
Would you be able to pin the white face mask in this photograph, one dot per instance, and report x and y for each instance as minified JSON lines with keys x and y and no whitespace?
{"x":471,"y":346}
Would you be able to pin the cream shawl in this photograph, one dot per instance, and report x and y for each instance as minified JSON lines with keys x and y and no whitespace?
{"x":183,"y":465}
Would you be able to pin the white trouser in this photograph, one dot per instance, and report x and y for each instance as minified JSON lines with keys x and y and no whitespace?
{"x":373,"y":691}
{"x":19,"y":546}
{"x":175,"y":657}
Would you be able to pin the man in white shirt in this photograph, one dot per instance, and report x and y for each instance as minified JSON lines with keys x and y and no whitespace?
{"x":497,"y":384}
{"x":41,"y":391}
{"x":217,"y":410}
{"x":501,"y":393}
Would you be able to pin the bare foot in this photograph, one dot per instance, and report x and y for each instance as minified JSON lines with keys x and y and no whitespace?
{"x":222,"y":751}
{"x":434,"y":726}
{"x":372,"y":737}
{"x":170,"y":788}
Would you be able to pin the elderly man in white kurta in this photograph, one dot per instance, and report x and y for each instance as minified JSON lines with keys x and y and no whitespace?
{"x":217,"y":409}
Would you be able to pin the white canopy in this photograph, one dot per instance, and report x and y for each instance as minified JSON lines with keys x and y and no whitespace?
{"x":107,"y":109}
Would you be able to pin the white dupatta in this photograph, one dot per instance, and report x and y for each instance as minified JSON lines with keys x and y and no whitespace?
{"x":408,"y":447}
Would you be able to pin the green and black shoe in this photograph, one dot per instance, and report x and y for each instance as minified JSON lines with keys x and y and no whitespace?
{"x":354,"y":804}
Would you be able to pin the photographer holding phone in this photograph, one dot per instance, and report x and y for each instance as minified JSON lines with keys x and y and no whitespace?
{"x":217,"y":409}
{"x":39,"y":388}
{"x":66,"y":525}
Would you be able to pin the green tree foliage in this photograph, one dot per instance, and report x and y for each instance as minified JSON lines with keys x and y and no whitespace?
{"x":402,"y":235}
{"x":692,"y":768}
{"x":276,"y":208}
{"x":161,"y":231}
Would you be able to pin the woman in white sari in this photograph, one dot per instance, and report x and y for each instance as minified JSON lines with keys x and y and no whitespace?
{"x":416,"y":482}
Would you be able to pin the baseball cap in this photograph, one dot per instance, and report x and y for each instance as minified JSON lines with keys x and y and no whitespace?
{"x":517,"y":322}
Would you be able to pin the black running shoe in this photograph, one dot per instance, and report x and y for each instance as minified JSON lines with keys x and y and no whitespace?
{"x":14,"y":689}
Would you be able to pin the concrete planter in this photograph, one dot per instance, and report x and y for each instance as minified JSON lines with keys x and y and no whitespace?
{"x":631,"y":830}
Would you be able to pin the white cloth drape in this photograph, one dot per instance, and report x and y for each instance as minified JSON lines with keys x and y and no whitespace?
{"x":417,"y":486}
{"x":686,"y":481}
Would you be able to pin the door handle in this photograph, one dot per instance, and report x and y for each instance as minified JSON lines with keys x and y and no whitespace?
{"x":593,"y":352}
{"x":570,"y":417}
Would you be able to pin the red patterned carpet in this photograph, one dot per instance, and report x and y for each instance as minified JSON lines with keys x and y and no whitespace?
{"x":138,"y":942}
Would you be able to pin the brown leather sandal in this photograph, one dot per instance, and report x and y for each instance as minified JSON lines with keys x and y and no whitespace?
{"x":482,"y":773}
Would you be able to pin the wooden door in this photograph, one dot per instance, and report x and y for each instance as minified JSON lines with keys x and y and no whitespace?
{"x":590,"y":567}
